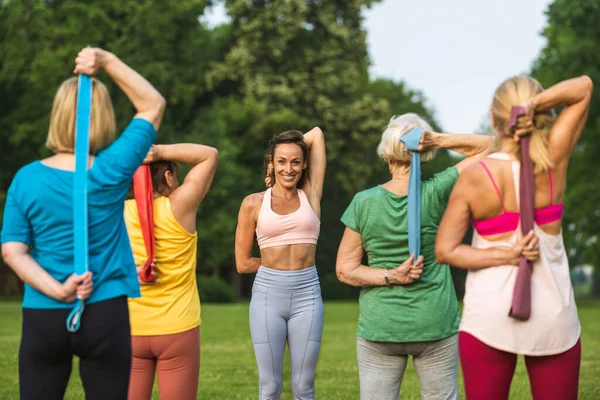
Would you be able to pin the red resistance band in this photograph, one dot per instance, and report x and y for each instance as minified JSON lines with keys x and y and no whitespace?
{"x":144,"y":199}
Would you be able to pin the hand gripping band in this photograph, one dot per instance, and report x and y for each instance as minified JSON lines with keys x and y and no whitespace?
{"x":144,"y":199}
{"x":411,"y":141}
{"x":80,"y":204}
{"x":521,"y":303}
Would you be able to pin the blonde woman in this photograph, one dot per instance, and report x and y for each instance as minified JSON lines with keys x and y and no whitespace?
{"x":486,"y":195}
{"x":37,"y":239}
{"x":407,"y":307}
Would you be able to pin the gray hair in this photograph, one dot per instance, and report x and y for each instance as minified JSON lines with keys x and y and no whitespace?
{"x":392,"y":149}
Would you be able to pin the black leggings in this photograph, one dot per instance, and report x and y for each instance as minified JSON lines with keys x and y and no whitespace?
{"x":103,"y":344}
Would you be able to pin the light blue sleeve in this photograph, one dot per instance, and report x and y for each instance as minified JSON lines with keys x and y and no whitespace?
{"x":122,"y":158}
{"x":15,"y":226}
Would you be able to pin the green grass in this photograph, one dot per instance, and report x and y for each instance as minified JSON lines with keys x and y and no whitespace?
{"x":228,"y":369}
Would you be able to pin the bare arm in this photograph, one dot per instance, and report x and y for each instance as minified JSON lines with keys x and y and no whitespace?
{"x":350,"y":271}
{"x":148,"y":102}
{"x":474,"y":147}
{"x":17,"y":256}
{"x":316,"y":170}
{"x":244,"y":236}
{"x":449,"y":248}
{"x":575,"y":95}
{"x":186,"y":199}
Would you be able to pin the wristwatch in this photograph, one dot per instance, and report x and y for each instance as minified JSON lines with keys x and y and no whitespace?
{"x":387,"y":277}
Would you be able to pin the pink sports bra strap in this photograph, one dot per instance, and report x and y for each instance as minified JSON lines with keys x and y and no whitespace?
{"x":551,"y":191}
{"x":493,"y":183}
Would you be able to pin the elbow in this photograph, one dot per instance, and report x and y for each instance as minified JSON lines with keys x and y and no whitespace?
{"x":242,"y":267}
{"x":160,"y":103}
{"x":10,"y":255}
{"x":214,"y":154}
{"x":442,"y":254}
{"x":7,"y":255}
{"x":587,"y":83}
{"x":343,"y":275}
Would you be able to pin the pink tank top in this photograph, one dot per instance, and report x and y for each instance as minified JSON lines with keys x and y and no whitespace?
{"x":301,"y":226}
{"x":509,"y":221}
{"x":553,"y":326}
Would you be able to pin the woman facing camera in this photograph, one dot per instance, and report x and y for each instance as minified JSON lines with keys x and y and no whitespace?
{"x":286,"y":300}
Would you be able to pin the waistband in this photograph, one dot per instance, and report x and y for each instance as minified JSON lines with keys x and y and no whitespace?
{"x":287,"y":280}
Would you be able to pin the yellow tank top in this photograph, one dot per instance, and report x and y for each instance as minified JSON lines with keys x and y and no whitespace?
{"x":173,"y":305}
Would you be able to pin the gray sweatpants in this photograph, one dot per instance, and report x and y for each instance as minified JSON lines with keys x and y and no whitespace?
{"x":381,"y":367}
{"x":286,"y":305}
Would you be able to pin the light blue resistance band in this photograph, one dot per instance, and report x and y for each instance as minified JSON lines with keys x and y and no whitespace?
{"x":411,"y":141}
{"x":80,"y":200}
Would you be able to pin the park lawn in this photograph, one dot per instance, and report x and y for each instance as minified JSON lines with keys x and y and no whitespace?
{"x":228,"y":369}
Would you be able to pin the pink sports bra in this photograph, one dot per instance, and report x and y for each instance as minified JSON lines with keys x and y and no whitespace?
{"x":509,"y":221}
{"x":301,"y":226}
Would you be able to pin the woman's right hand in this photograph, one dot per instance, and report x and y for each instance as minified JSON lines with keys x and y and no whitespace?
{"x":91,"y":60}
{"x":152,"y":156}
{"x":528,"y":246}
{"x":77,"y":286}
{"x":154,"y":275}
{"x":407,"y":272}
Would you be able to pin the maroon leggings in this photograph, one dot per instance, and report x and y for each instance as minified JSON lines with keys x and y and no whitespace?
{"x":174,"y":358}
{"x":488,"y":372}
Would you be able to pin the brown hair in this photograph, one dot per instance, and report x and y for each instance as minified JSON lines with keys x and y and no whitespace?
{"x":515,"y":91}
{"x":295,"y":137}
{"x":157,"y":170}
{"x":61,"y":134}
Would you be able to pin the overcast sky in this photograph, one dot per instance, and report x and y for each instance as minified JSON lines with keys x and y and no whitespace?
{"x":455,"y":52}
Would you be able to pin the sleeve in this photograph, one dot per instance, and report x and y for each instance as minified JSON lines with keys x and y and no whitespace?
{"x":351,"y":217}
{"x":15,"y":226}
{"x":122,"y":158}
{"x":442,"y":184}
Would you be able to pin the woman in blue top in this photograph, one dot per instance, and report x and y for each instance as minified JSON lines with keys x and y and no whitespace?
{"x":37,"y":239}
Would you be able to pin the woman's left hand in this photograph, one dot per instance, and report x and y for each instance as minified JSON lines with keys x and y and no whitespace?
{"x":426,"y":142}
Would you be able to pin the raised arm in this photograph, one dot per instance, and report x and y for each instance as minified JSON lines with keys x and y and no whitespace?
{"x":350,"y":270}
{"x":474,"y":147}
{"x":186,"y":199}
{"x":449,"y":248}
{"x":148,"y":102}
{"x":244,"y":235}
{"x":575,"y":95}
{"x":316,"y":168}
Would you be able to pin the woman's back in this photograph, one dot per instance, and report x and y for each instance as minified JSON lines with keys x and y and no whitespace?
{"x":42,"y":216}
{"x":173,"y":304}
{"x":382,"y":219}
{"x":553,"y":325}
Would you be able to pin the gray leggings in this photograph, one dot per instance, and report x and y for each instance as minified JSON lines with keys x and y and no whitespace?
{"x":286,"y":305}
{"x":381,"y":367}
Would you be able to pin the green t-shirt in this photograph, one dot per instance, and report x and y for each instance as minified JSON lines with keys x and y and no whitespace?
{"x":427,"y":309}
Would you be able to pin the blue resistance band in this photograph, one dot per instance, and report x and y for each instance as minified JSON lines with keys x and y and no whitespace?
{"x":411,"y":141}
{"x":80,"y":200}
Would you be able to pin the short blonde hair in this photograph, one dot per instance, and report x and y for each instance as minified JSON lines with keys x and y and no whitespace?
{"x":61,"y":134}
{"x":392,"y":150}
{"x":513,"y":92}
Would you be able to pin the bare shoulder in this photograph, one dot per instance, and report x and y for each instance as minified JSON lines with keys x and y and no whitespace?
{"x":252,"y":203}
{"x":471,"y":175}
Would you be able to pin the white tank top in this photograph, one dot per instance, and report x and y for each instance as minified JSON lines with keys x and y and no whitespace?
{"x":553,"y":326}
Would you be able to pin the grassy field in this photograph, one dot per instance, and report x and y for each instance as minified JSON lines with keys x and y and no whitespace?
{"x":228,"y":368}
